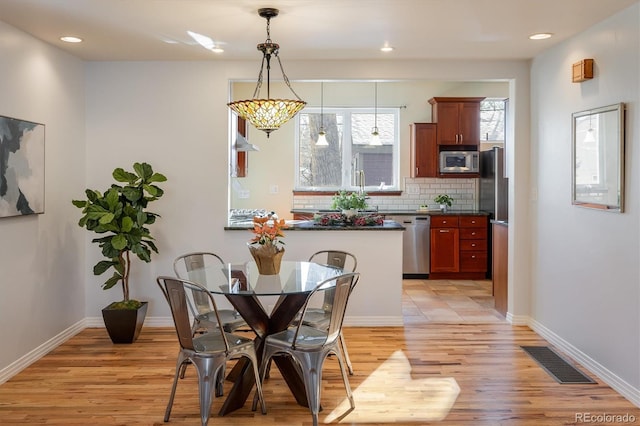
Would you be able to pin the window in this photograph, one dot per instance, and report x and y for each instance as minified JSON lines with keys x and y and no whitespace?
{"x":492,"y":128}
{"x":349,"y":154}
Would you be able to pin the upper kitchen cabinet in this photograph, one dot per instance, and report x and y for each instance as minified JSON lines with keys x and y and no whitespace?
{"x":424,"y":150}
{"x":458,"y":120}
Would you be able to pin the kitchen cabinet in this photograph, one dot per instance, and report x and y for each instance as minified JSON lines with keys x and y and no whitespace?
{"x":458,"y":120}
{"x":473,"y":244}
{"x":459,"y":246}
{"x":424,"y":150}
{"x":445,"y":244}
{"x":499,"y":269}
{"x":242,"y":163}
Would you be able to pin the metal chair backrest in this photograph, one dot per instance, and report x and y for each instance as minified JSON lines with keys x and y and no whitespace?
{"x":193,"y":267}
{"x":175,"y":292}
{"x":341,"y":259}
{"x":338,"y":258}
{"x":340,"y":296}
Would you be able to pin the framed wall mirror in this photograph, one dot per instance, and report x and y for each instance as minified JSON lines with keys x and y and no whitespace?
{"x":598,"y":158}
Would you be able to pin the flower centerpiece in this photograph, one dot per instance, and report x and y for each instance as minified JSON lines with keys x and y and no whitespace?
{"x":266,"y":245}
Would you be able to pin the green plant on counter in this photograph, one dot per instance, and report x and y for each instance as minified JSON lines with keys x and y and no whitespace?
{"x":344,"y":200}
{"x":443,"y":199}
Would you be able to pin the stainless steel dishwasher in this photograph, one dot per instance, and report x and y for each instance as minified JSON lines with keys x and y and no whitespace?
{"x":415,"y":244}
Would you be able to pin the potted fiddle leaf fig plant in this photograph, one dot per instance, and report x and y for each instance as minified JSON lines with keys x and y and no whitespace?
{"x":120,"y":216}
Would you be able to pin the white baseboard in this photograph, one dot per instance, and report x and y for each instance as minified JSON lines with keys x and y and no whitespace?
{"x":517,"y":319}
{"x":619,"y":385}
{"x":34,"y":355}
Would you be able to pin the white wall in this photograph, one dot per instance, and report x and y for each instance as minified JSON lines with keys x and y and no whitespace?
{"x":586,"y":263}
{"x":42,"y":260}
{"x":174,"y":115}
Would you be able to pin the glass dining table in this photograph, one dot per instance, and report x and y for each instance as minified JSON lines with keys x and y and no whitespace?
{"x":244,"y":287}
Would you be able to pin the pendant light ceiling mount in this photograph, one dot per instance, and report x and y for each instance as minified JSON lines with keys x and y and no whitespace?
{"x":268,"y":114}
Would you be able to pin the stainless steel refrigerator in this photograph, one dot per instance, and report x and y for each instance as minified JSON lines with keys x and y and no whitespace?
{"x":494,"y":188}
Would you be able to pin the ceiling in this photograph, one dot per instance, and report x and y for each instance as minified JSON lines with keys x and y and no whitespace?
{"x":128,"y":30}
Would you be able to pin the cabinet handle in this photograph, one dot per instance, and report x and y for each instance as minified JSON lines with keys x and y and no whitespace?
{"x":473,"y":245}
{"x":473,"y":233}
{"x":417,"y":171}
{"x":460,"y":137}
{"x":456,"y":138}
{"x":473,"y":256}
{"x":444,"y":230}
{"x":444,"y":221}
{"x":473,"y":221}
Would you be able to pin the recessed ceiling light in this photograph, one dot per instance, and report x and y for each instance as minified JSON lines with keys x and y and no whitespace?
{"x":540,"y":36}
{"x":217,"y":49}
{"x":386,"y":48}
{"x":71,"y":39}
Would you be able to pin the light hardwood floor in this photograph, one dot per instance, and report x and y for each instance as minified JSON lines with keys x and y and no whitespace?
{"x":455,"y":362}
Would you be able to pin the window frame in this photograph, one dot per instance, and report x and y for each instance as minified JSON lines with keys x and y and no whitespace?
{"x":347,"y":149}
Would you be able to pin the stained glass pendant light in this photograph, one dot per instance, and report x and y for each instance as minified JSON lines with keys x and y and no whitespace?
{"x":268,"y":114}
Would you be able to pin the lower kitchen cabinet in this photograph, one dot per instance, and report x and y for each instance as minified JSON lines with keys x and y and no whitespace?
{"x":459,"y":247}
{"x":445,"y":244}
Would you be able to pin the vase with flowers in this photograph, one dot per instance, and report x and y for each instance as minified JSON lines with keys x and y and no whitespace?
{"x":266,"y":244}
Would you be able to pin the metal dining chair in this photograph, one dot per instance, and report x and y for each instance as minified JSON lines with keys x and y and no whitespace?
{"x":310,"y":346}
{"x":194,"y":267}
{"x":208,"y":352}
{"x":319,"y":317}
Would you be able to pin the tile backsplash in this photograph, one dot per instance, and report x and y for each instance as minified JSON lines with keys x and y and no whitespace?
{"x":417,"y":191}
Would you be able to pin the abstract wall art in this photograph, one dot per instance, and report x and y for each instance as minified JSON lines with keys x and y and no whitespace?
{"x":21,"y":167}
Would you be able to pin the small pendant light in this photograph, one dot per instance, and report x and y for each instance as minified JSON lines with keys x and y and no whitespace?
{"x":375,"y":134}
{"x":322,"y":135}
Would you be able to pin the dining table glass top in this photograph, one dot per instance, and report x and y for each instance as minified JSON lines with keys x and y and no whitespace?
{"x":294,"y":277}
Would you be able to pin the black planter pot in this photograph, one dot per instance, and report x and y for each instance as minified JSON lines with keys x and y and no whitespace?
{"x":124,"y":325}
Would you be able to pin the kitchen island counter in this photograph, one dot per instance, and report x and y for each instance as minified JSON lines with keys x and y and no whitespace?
{"x":377,"y":299}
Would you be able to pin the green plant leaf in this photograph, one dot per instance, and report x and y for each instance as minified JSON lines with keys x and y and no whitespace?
{"x":102,"y":266}
{"x":106,"y":218}
{"x":132,"y":193}
{"x":127,"y":224}
{"x":119,"y":242}
{"x":79,"y":203}
{"x":112,"y":281}
{"x":157,"y":177}
{"x":121,"y":175}
{"x":143,"y":170}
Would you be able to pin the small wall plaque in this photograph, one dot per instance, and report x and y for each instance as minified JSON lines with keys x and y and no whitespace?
{"x":582,"y":71}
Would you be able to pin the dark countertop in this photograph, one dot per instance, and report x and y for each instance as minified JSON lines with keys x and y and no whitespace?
{"x":409,"y":212}
{"x":309,"y":225}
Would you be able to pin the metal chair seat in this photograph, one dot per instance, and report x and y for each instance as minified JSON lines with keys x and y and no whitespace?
{"x":309,"y":346}
{"x":207,"y":352}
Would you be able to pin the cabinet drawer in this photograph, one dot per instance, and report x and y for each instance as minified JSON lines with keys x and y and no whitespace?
{"x":473,"y":221}
{"x":473,"y":233}
{"x":444,"y":221}
{"x":473,"y":245}
{"x":473,"y":261}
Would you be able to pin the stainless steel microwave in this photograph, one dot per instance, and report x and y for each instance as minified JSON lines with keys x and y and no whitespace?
{"x":459,"y":162}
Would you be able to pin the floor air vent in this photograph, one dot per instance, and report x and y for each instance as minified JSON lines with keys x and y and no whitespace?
{"x":556,"y":366}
